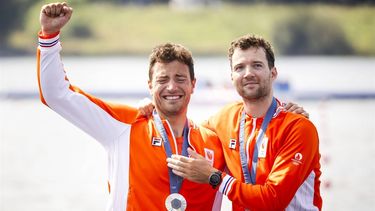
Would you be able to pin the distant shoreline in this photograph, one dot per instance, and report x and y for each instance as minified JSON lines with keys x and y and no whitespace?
{"x":110,"y":29}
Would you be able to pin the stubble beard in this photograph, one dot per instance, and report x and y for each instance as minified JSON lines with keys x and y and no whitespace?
{"x":172,"y":109}
{"x":257,"y":94}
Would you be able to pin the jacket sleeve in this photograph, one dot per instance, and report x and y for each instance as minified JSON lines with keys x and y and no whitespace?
{"x":101,"y":120}
{"x":294,"y":163}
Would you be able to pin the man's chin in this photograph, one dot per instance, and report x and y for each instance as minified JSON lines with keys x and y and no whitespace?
{"x":248,"y":94}
{"x":172,"y":110}
{"x":253,"y":97}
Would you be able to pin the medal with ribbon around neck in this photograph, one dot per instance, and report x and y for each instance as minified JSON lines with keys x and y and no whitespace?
{"x":175,"y":201}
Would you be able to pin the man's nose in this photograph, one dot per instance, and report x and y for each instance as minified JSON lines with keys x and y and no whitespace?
{"x":171,"y":85}
{"x":248,"y":71}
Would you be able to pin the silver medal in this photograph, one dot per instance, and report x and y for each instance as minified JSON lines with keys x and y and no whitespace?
{"x":175,"y":202}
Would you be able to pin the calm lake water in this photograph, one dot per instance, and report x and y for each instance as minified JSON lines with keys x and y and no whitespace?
{"x":48,"y":164}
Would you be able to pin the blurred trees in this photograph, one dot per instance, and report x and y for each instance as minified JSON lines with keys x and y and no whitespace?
{"x":11,"y":18}
{"x":13,"y":13}
{"x":306,"y":34}
{"x":347,"y":2}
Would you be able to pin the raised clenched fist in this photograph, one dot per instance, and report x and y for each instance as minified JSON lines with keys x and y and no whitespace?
{"x":54,"y":16}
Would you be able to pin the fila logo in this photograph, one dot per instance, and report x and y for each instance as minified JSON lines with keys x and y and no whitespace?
{"x":156,"y":141}
{"x":209,"y":154}
{"x":232,"y":143}
{"x":297,"y":160}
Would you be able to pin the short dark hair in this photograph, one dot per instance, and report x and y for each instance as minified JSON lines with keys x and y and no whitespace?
{"x":170,"y":52}
{"x":252,"y":41}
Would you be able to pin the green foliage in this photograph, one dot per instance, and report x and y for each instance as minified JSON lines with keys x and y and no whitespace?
{"x":343,"y":2}
{"x":11,"y":18}
{"x":98,"y":28}
{"x":80,"y":29}
{"x":304,"y":33}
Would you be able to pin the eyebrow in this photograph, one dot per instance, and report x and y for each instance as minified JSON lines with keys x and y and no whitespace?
{"x":161,"y":76}
{"x":238,"y":64}
{"x":258,"y":62}
{"x":181,"y":75}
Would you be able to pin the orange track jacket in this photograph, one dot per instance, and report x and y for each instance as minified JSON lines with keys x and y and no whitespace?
{"x":288,"y":169}
{"x":137,"y":168}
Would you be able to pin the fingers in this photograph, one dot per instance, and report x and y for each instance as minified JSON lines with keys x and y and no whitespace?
{"x":179,"y":163}
{"x":53,"y":17}
{"x":196,"y":170}
{"x":182,"y":159}
{"x":50,"y":9}
{"x":56,"y":9}
{"x":179,"y":173}
{"x":193,"y":154}
{"x":304,"y":113}
{"x":178,"y":167}
{"x":143,"y":112}
{"x":181,"y":166}
{"x":145,"y":107}
{"x":291,"y":106}
{"x":175,"y":165}
{"x":295,"y":108}
{"x":66,"y":10}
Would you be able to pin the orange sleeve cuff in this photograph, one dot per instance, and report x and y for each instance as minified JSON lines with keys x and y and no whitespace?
{"x":223,"y":174}
{"x":47,"y":36}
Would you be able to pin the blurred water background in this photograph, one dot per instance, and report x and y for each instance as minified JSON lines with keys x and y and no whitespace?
{"x":48,"y":164}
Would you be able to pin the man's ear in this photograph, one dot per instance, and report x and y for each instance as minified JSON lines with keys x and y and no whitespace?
{"x":150,"y":87}
{"x":193,"y":85}
{"x":274,"y":73}
{"x":231,"y":76}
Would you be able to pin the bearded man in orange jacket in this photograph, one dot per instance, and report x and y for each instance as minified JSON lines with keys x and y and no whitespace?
{"x":272,"y":156}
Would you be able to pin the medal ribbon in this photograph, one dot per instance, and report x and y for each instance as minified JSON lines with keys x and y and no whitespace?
{"x":174,"y":180}
{"x":250,"y":177}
